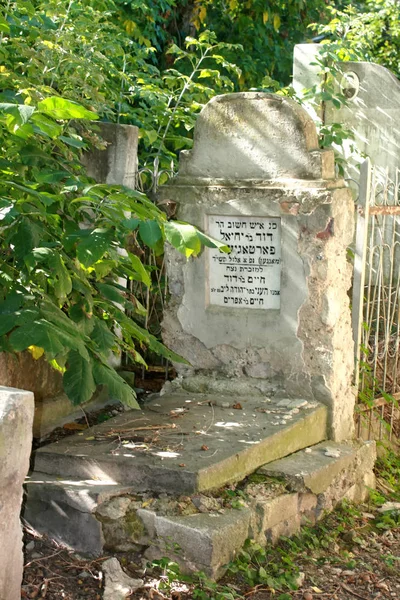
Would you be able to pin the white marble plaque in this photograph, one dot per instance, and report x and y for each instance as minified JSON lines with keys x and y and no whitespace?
{"x":250,"y":276}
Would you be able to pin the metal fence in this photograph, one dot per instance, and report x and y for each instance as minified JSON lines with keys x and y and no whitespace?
{"x":376,"y":305}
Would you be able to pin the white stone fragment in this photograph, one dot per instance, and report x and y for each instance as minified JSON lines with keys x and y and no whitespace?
{"x":297,"y":403}
{"x":225,"y":405}
{"x":389,"y":506}
{"x":284,"y":402}
{"x":308,"y":450}
{"x":117,"y":584}
{"x":332,"y":452}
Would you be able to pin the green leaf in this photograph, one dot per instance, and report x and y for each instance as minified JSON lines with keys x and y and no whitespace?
{"x":103,"y":337}
{"x":150,"y":233}
{"x":151,"y":135}
{"x":20,"y":112}
{"x":46,"y":126}
{"x":75,"y":143}
{"x":183,"y":237}
{"x":78,"y":381}
{"x":63,"y":285}
{"x":117,"y":387}
{"x":7,"y":322}
{"x":139,"y":268}
{"x":110,"y":292}
{"x":4,"y":26}
{"x":60,"y":108}
{"x":212,"y":242}
{"x":93,"y":246}
{"x":36,"y":334}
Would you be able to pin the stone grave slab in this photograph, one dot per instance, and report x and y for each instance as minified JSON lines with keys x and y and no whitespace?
{"x":182,"y":443}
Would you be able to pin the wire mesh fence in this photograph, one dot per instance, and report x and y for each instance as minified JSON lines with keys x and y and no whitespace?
{"x":376,"y":305}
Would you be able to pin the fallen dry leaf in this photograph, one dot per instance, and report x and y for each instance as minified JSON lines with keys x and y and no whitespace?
{"x":182,"y":465}
{"x":204,"y":447}
{"x":75,"y":426}
{"x":238,"y":406}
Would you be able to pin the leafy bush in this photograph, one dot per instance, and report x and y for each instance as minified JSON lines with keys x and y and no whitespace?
{"x":63,"y":250}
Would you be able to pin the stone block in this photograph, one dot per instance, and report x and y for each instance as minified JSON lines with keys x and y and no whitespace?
{"x":238,"y":441}
{"x":205,"y":542}
{"x":312,"y":471}
{"x":286,"y":528}
{"x":16,"y":418}
{"x":65,"y":509}
{"x":117,"y":163}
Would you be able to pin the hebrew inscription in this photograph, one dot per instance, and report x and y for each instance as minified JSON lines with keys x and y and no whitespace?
{"x":250,"y":276}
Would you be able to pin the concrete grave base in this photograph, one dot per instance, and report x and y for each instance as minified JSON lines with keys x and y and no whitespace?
{"x":198,"y":531}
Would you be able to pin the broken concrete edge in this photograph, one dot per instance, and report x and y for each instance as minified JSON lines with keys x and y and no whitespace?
{"x":207,"y":542}
{"x":312,"y":469}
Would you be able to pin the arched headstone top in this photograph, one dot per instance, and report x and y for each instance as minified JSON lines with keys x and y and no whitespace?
{"x":253,"y":135}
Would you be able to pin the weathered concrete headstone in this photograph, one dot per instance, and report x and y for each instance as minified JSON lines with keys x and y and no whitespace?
{"x":274,"y":310}
{"x":371,"y":112}
{"x":16,"y":417}
{"x":266,"y":329}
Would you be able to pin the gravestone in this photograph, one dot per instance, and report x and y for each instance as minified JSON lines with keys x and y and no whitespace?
{"x":266,"y":329}
{"x":16,"y":417}
{"x":274,"y":313}
{"x":371,"y":111}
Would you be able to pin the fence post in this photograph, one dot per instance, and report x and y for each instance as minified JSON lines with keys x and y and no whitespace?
{"x":360,"y":260}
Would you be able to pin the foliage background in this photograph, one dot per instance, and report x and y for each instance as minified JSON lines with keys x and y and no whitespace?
{"x":154,"y":64}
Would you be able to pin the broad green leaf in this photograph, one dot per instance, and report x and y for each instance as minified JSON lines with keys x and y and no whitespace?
{"x":150,"y":233}
{"x":212,"y":242}
{"x":102,"y":337}
{"x":110,"y":292}
{"x":117,"y":387}
{"x":7,"y":322}
{"x":63,"y":285}
{"x":11,"y":303}
{"x":46,"y":126}
{"x":139,"y":268}
{"x":151,"y":135}
{"x":78,"y":379}
{"x":20,"y":112}
{"x":4,"y":26}
{"x":55,"y":315}
{"x":74,"y":142}
{"x":60,"y":108}
{"x":93,"y":246}
{"x":103,"y":267}
{"x":131,"y":224}
{"x":36,"y":334}
{"x":183,"y":237}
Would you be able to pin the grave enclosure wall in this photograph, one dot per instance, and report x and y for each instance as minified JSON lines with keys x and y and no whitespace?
{"x":274,"y":313}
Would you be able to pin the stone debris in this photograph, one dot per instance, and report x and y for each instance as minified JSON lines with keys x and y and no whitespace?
{"x":389,"y":507}
{"x":205,"y":504}
{"x":332,"y":452}
{"x":225,"y":405}
{"x":115,"y":509}
{"x":118,"y":585}
{"x":30,"y":546}
{"x":285,"y":402}
{"x":308,"y":450}
{"x":298,"y":404}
